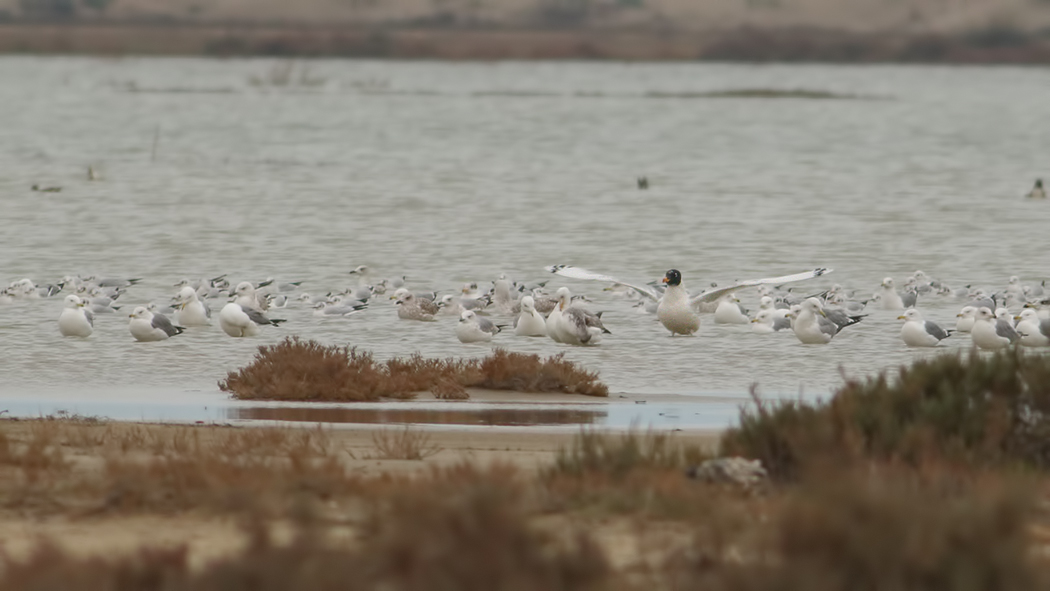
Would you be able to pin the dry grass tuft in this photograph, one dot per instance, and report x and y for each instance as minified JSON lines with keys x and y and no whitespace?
{"x":307,"y":370}
{"x":629,"y":473}
{"x":404,"y":444}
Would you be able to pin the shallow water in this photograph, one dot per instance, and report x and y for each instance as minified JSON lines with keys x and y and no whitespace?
{"x":456,"y":172}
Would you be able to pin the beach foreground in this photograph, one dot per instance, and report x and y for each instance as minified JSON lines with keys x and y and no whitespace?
{"x":107,"y":489}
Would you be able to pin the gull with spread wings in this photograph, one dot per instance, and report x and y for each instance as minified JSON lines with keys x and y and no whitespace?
{"x":677,"y":310}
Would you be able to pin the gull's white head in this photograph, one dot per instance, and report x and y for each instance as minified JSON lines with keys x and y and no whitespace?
{"x":1003,"y":313}
{"x":911,"y":315}
{"x":887,"y":282}
{"x":813,"y":305}
{"x":401,"y":294}
{"x":528,"y":304}
{"x":967,"y":312}
{"x":564,"y":297}
{"x":766,"y":303}
{"x":467,"y":316}
{"x":186,"y":294}
{"x":140,"y":312}
{"x":73,"y":301}
{"x":244,"y":288}
{"x":1015,"y":280}
{"x":985,"y":314}
{"x":1029,"y":315}
{"x":764,"y":316}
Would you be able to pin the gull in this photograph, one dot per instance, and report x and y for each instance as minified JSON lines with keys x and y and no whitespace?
{"x":240,"y":321}
{"x":247,"y":297}
{"x":767,"y":321}
{"x":147,"y":326}
{"x":337,"y":307}
{"x":75,"y":321}
{"x":1004,"y":315}
{"x":729,"y":311}
{"x":278,"y":287}
{"x":190,"y":310}
{"x":361,"y":270}
{"x":409,"y":307}
{"x":812,"y":326}
{"x":1034,"y":331}
{"x":677,"y":310}
{"x":965,"y":319}
{"x":918,"y":332}
{"x":310,"y":300}
{"x":472,"y":328}
{"x":470,"y":291}
{"x":889,"y":299}
{"x":155,"y":309}
{"x":573,"y":324}
{"x":1037,"y":192}
{"x":530,"y":323}
{"x":990,"y":332}
{"x":113,"y":282}
{"x":502,"y":297}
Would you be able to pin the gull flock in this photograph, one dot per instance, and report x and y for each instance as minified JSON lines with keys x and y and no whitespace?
{"x":1016,"y":314}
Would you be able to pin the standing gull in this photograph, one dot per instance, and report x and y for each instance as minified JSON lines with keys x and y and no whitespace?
{"x":577,"y":325}
{"x":241,"y":321}
{"x":677,"y":310}
{"x":1034,"y":331}
{"x":918,"y":332}
{"x":191,"y":311}
{"x":472,"y":328}
{"x":889,"y":299}
{"x":146,"y":326}
{"x":75,"y":320}
{"x":812,"y":326}
{"x":410,"y":307}
{"x":965,"y":319}
{"x":990,"y":332}
{"x":767,"y":321}
{"x":530,"y":322}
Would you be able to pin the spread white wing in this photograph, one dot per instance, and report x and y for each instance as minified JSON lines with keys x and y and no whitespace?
{"x":708,"y":296}
{"x":713,"y":294}
{"x":578,"y":273}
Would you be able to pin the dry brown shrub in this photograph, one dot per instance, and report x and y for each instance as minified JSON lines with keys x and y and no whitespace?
{"x":449,"y":389}
{"x":634,"y":472}
{"x":880,"y":528}
{"x":404,"y":444}
{"x":307,"y":370}
{"x":461,"y":528}
{"x":529,"y":373}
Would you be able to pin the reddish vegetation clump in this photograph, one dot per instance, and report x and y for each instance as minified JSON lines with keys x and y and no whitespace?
{"x":306,"y":370}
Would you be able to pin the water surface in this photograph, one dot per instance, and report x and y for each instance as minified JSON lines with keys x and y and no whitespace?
{"x":447,"y":173}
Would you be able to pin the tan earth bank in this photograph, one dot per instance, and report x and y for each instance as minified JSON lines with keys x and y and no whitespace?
{"x":831,"y":30}
{"x":60,"y":479}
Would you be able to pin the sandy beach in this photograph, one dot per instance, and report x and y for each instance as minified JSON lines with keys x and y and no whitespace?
{"x":84,"y":528}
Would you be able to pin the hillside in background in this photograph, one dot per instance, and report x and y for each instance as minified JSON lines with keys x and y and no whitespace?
{"x":836,"y":30}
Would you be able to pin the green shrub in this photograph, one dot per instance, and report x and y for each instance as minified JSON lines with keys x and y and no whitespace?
{"x":974,"y":409}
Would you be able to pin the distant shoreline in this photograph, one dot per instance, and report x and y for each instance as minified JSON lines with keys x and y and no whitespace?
{"x":1004,"y":46}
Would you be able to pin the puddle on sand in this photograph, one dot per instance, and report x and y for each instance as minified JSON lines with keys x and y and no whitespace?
{"x":507,"y":417}
{"x":199,"y":406}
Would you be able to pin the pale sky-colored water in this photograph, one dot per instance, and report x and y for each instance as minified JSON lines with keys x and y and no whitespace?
{"x":455,"y":172}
